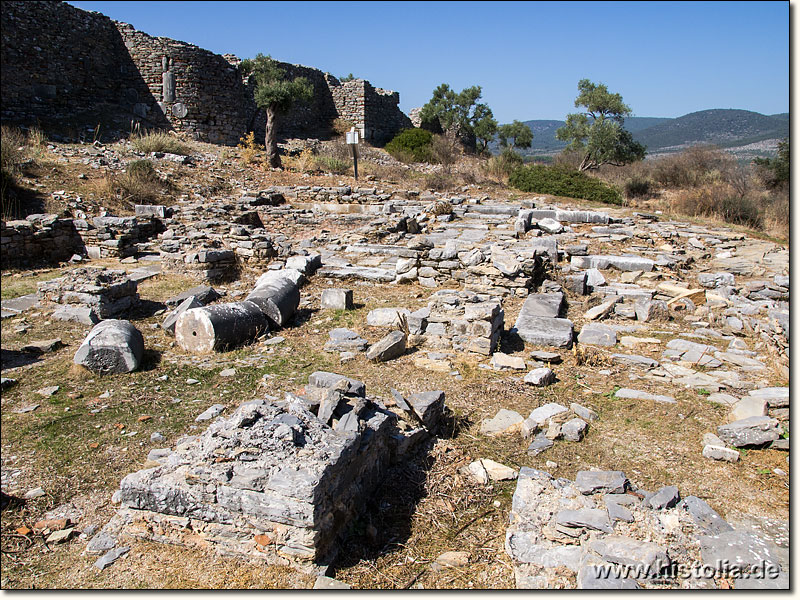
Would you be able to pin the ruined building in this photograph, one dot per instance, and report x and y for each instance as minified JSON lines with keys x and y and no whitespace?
{"x":67,"y":68}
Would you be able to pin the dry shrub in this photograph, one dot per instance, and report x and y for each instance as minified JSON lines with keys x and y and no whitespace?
{"x":303,"y":162}
{"x":776,"y":213}
{"x":442,"y":207}
{"x":159,"y":141}
{"x":498,"y":168}
{"x":331,"y":164}
{"x":441,"y":182}
{"x":139,"y":184}
{"x":719,"y":200}
{"x":443,"y":152}
{"x":250,"y":148}
{"x":341,"y":126}
{"x":18,"y":151}
{"x":693,"y":167}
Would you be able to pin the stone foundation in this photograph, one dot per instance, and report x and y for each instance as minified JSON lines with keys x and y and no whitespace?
{"x":109,"y":293}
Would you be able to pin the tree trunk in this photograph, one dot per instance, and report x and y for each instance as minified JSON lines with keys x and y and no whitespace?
{"x":271,"y":139}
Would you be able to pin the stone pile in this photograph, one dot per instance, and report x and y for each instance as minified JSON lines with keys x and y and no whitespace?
{"x":600,"y":532}
{"x":458,"y":320}
{"x":106,"y":293}
{"x":277,"y":480}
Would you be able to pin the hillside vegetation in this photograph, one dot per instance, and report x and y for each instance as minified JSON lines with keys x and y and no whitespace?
{"x":725,"y":128}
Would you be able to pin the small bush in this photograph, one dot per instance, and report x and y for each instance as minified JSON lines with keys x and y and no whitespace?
{"x":441,"y":207}
{"x":139,"y":184}
{"x":637,"y":187}
{"x":440,"y":182}
{"x":331,"y":164}
{"x":501,"y":166}
{"x":411,"y":145}
{"x":694,"y":167}
{"x":249,"y":147}
{"x":159,"y":141}
{"x":721,"y":201}
{"x":443,"y":152}
{"x":561,"y":181}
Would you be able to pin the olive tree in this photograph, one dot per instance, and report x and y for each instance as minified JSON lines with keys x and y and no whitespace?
{"x":459,"y":115}
{"x":598,"y":134}
{"x":275,"y":93}
{"x":515,"y":135}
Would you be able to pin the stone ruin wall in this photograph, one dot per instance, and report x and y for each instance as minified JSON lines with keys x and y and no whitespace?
{"x":373,"y":111}
{"x":62,"y":65}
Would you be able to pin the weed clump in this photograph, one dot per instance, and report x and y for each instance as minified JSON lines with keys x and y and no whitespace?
{"x":159,"y":141}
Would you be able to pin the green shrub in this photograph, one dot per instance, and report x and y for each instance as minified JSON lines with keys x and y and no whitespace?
{"x":561,"y":181}
{"x":637,"y":187}
{"x":331,"y":164}
{"x":159,"y":141}
{"x":411,"y":145}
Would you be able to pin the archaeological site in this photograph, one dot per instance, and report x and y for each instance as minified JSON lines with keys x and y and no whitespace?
{"x":218,"y":374}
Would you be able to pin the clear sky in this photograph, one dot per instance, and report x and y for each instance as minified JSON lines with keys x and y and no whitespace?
{"x":665,"y":58}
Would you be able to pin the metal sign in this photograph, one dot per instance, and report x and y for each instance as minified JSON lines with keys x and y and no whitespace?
{"x":352,"y":140}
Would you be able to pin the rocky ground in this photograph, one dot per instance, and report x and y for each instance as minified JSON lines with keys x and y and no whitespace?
{"x":634,"y":410}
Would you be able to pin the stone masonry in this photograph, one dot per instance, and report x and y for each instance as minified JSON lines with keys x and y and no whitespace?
{"x":62,"y":64}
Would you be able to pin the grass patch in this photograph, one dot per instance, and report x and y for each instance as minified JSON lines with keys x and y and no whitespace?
{"x":159,"y":141}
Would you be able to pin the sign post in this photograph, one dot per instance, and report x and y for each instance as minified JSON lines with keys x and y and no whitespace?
{"x":352,"y":140}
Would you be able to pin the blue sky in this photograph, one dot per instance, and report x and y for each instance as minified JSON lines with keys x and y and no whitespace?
{"x":665,"y":58}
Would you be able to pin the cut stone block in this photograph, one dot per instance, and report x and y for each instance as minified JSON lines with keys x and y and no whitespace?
{"x":337,"y":299}
{"x":505,"y":422}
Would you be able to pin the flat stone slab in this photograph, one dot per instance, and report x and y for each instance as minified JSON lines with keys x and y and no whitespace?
{"x":544,"y":331}
{"x":21,"y":303}
{"x":621,"y":263}
{"x":505,"y":422}
{"x":544,"y":413}
{"x":597,"y":335}
{"x":642,"y":395}
{"x":753,"y":431}
{"x":610,"y":482}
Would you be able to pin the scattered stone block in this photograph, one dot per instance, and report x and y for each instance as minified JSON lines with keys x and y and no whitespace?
{"x":112,"y":346}
{"x":389,"y":347}
{"x":750,"y":432}
{"x":540,"y":377}
{"x":337,"y":299}
{"x":505,"y":422}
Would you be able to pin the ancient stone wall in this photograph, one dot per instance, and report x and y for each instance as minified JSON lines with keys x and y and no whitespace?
{"x":38,"y":239}
{"x":59,"y":65}
{"x":373,"y":111}
{"x":65,"y":66}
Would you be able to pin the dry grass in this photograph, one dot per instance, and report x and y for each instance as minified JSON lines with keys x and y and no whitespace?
{"x":160,"y":141}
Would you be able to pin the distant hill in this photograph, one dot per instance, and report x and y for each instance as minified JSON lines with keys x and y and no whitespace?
{"x":721,"y":127}
{"x":726,"y":128}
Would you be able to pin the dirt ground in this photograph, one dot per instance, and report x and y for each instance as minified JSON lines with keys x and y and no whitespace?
{"x":94,"y":430}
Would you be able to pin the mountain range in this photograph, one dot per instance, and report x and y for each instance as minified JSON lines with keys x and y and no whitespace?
{"x":730,"y":129}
